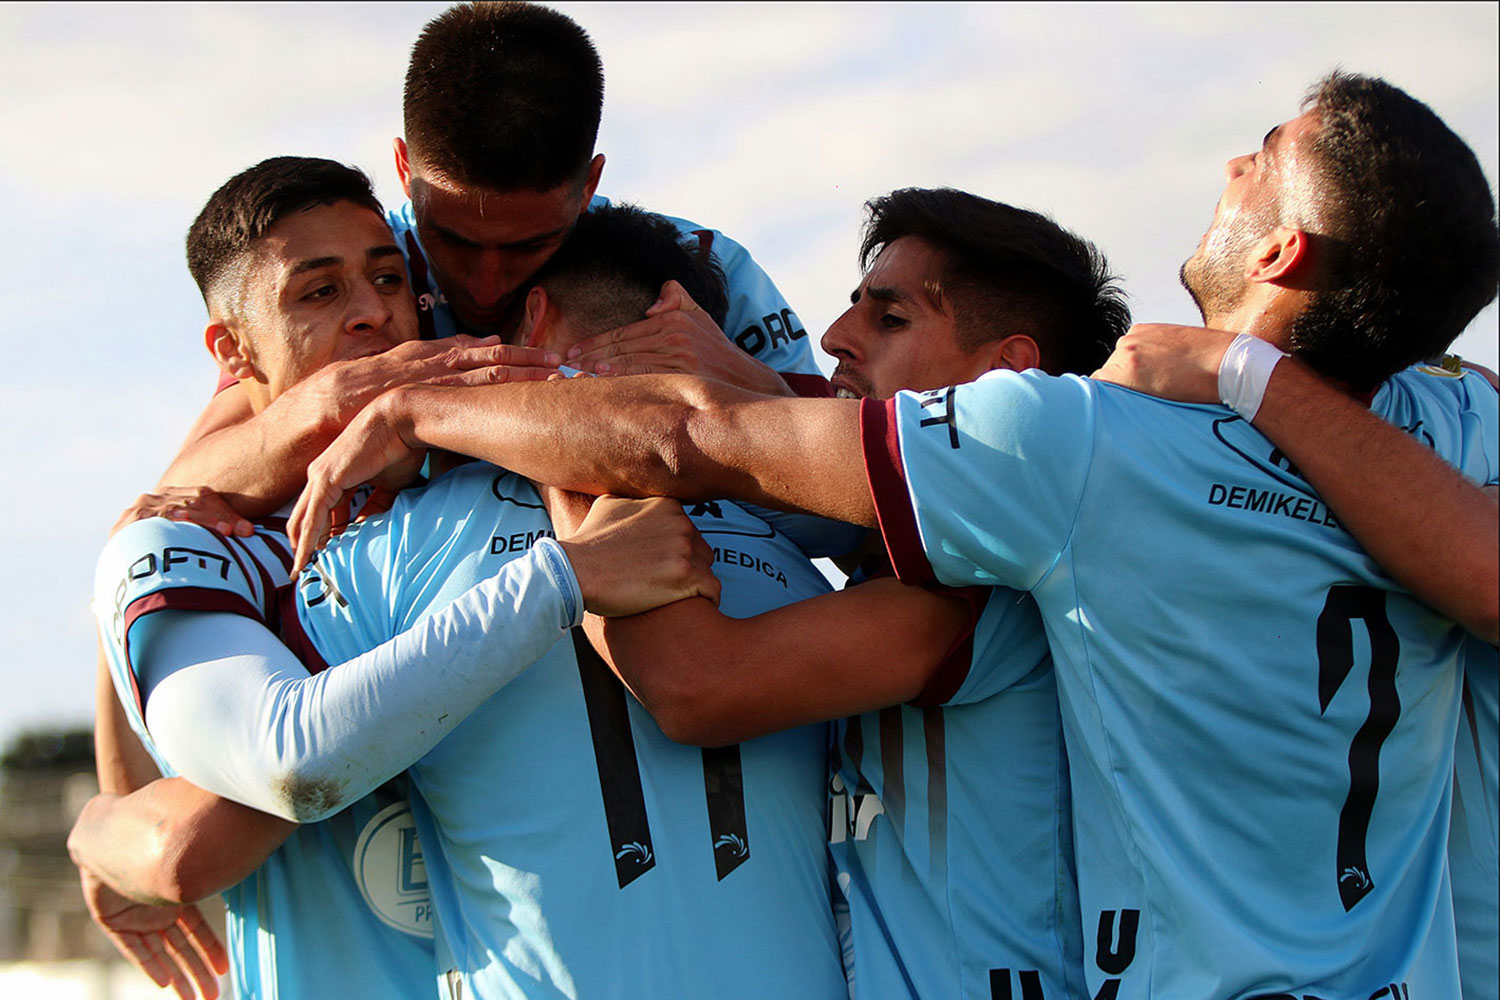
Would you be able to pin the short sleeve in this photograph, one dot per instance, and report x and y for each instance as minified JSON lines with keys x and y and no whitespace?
{"x":980,"y":484}
{"x":159,"y":565}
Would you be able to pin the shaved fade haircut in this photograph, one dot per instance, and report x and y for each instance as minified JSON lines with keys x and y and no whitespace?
{"x":1007,"y":271}
{"x":505,"y":96}
{"x":1406,"y":223}
{"x":251,"y":202}
{"x":614,"y":263}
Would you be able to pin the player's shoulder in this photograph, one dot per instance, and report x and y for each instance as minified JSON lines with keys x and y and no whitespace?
{"x":1001,"y":405}
{"x":1448,"y":382}
{"x":181,"y":565}
{"x":464,"y":488}
{"x":401,"y":219}
{"x":730,"y":253}
{"x":156,"y":546}
{"x":1443,"y":406}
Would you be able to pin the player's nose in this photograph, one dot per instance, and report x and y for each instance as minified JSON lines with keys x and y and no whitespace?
{"x":841,"y":339}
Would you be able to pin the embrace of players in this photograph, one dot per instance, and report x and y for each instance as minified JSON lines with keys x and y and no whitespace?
{"x":1166,"y":667}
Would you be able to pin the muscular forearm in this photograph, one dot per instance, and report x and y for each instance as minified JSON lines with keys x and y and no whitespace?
{"x":1426,"y":525}
{"x":652,"y":436}
{"x":738,"y":678}
{"x":171,"y":842}
{"x":256,"y":462}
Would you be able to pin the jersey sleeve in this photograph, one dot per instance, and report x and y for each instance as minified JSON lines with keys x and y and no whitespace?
{"x":158,"y":565}
{"x":980,"y":484}
{"x":1454,"y":413}
{"x":759,"y":319}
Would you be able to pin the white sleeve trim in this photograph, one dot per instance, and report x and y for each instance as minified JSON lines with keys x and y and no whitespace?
{"x":237,"y":714}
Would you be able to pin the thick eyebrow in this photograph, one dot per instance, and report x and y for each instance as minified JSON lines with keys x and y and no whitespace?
{"x":313,"y":263}
{"x":886,"y":294}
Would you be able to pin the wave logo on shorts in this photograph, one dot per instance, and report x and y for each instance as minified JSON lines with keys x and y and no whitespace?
{"x":391,"y":874}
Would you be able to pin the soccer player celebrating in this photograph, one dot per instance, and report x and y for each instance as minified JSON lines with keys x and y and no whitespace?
{"x":479,"y":593}
{"x":1260,"y":722}
{"x":951,"y":825}
{"x":502,"y":106}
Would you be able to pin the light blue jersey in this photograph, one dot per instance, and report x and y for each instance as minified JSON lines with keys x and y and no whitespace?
{"x":1473,"y":841}
{"x":759,"y":319}
{"x":952,"y":829}
{"x":342,"y":907}
{"x":573,"y":849}
{"x":1260,"y":723}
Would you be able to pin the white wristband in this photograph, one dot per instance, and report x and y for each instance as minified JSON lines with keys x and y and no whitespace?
{"x":1244,"y":372}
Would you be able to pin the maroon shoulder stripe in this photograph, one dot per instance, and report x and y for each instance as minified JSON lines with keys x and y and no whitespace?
{"x":267,"y":585}
{"x":292,"y":633}
{"x":887,"y":477}
{"x":272,"y":538}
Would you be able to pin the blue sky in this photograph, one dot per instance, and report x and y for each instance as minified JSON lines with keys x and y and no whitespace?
{"x":772,"y":123}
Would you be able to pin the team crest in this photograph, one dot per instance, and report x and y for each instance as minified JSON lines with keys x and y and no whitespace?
{"x":390,"y":872}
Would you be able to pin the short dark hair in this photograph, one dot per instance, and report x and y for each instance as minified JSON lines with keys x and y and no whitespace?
{"x":506,"y":96}
{"x":1407,"y":224}
{"x":1008,"y":271}
{"x":247,"y":205}
{"x":614,"y":263}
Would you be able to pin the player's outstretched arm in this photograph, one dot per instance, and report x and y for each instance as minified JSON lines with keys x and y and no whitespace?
{"x":257,"y":460}
{"x":711,"y":680}
{"x":1431,"y":529}
{"x":649,"y":435}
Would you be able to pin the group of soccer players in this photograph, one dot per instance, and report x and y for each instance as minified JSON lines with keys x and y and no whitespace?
{"x":1177,"y":681}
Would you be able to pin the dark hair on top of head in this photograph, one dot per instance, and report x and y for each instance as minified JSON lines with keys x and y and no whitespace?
{"x":1410,"y":251}
{"x":506,"y":96}
{"x":252,"y":201}
{"x":614,"y":263}
{"x":1008,"y":271}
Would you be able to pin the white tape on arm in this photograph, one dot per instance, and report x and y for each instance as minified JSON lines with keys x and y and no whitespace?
{"x":1244,"y":372}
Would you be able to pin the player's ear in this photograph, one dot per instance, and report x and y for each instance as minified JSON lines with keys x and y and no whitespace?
{"x":591,"y":181}
{"x":228,"y":351}
{"x":403,"y":164}
{"x":537,"y":317}
{"x":1282,"y":258}
{"x":1017,"y":352}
